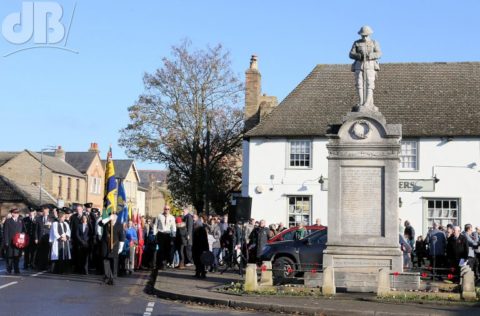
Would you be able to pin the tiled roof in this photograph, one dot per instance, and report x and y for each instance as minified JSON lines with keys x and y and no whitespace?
{"x":122,"y":167}
{"x":80,"y":160}
{"x":428,"y":99}
{"x":10,"y":191}
{"x":56,"y":165}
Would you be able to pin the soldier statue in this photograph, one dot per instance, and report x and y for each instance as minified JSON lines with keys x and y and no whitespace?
{"x":366,"y":53}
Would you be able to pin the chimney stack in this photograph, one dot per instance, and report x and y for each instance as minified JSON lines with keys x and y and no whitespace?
{"x":60,"y":153}
{"x":257,"y":106}
{"x":252,"y":93}
{"x":93,"y":148}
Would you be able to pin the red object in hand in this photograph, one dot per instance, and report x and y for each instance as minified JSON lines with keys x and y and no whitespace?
{"x":289,"y":270}
{"x":450,"y":276}
{"x":424,"y":275}
{"x":264,"y":268}
{"x":395,"y":274}
{"x":314,"y":271}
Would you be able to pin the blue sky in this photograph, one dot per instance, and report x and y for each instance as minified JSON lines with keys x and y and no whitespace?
{"x":54,"y":97}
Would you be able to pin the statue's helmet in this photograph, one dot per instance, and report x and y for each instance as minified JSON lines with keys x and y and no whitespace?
{"x":365,"y":30}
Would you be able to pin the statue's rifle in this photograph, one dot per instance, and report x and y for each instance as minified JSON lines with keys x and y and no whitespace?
{"x":364,"y":74}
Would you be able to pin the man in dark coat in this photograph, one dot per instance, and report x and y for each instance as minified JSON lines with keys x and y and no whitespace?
{"x":258,"y":240}
{"x":44,"y":222}
{"x":109,"y":253}
{"x":30,"y":229}
{"x":437,"y":244}
{"x":188,"y":220}
{"x":457,"y":248}
{"x":75,"y":222}
{"x":200,"y":244}
{"x":12,"y":226}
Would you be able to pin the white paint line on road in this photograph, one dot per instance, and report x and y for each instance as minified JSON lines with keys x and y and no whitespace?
{"x":8,"y":284}
{"x":149,"y":309}
{"x":39,"y":273}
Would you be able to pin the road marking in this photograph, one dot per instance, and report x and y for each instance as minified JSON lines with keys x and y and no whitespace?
{"x":39,"y":273}
{"x":149,"y":309}
{"x":8,"y":284}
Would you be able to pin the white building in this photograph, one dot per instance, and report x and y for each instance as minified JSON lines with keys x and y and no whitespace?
{"x":438,"y":105}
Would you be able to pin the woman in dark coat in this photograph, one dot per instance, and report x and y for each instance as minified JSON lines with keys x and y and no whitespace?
{"x":82,"y":236}
{"x":181,"y":240}
{"x":11,"y":227}
{"x":200,"y":244}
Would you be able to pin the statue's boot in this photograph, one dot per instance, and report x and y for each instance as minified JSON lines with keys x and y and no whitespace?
{"x":360,"y":98}
{"x":369,"y":100}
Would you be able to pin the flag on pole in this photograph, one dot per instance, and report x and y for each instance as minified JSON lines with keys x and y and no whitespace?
{"x":109,"y":203}
{"x":122,"y":203}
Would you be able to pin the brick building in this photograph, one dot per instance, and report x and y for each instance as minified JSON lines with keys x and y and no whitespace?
{"x":59,"y":179}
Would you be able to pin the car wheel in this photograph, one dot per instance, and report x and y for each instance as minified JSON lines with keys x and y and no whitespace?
{"x":283,"y":268}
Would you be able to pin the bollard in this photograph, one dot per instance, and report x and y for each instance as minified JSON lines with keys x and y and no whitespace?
{"x":251,"y":284}
{"x":266,"y":277}
{"x":468,"y":286}
{"x":329,"y":287}
{"x":383,"y":286}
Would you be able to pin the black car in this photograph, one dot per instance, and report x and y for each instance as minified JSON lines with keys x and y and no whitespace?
{"x":292,"y":257}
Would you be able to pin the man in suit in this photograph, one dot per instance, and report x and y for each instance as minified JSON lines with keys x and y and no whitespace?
{"x":44,"y":222}
{"x":11,"y":227}
{"x":30,"y":229}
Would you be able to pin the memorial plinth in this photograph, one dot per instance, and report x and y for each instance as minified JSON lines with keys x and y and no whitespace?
{"x":363,"y":164}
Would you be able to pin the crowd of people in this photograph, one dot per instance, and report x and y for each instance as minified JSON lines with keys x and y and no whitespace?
{"x":446,"y":248}
{"x":79,"y":240}
{"x":69,"y":240}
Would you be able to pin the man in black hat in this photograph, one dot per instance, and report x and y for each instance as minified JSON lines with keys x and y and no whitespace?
{"x":43,"y":223}
{"x":88,"y":208}
{"x":12,"y":226}
{"x":30,"y":229}
{"x":68,"y":213}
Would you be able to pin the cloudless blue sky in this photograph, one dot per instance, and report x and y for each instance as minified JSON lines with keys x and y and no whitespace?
{"x":53,"y":97}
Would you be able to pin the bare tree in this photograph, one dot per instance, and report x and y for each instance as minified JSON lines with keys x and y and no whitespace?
{"x":189,"y":119}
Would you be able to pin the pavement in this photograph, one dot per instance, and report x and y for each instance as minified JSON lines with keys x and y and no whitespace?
{"x":42,"y":293}
{"x":180,"y":285}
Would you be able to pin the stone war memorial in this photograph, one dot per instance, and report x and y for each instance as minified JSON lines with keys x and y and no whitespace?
{"x":363,"y":164}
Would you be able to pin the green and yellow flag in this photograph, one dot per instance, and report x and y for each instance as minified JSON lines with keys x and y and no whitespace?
{"x":109,"y":203}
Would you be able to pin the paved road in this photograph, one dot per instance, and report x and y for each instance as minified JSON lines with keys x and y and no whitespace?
{"x":32,"y":293}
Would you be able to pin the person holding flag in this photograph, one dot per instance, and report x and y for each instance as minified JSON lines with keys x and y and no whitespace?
{"x":113,"y":235}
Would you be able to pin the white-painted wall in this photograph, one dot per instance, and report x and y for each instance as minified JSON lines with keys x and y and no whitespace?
{"x":451,"y":161}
